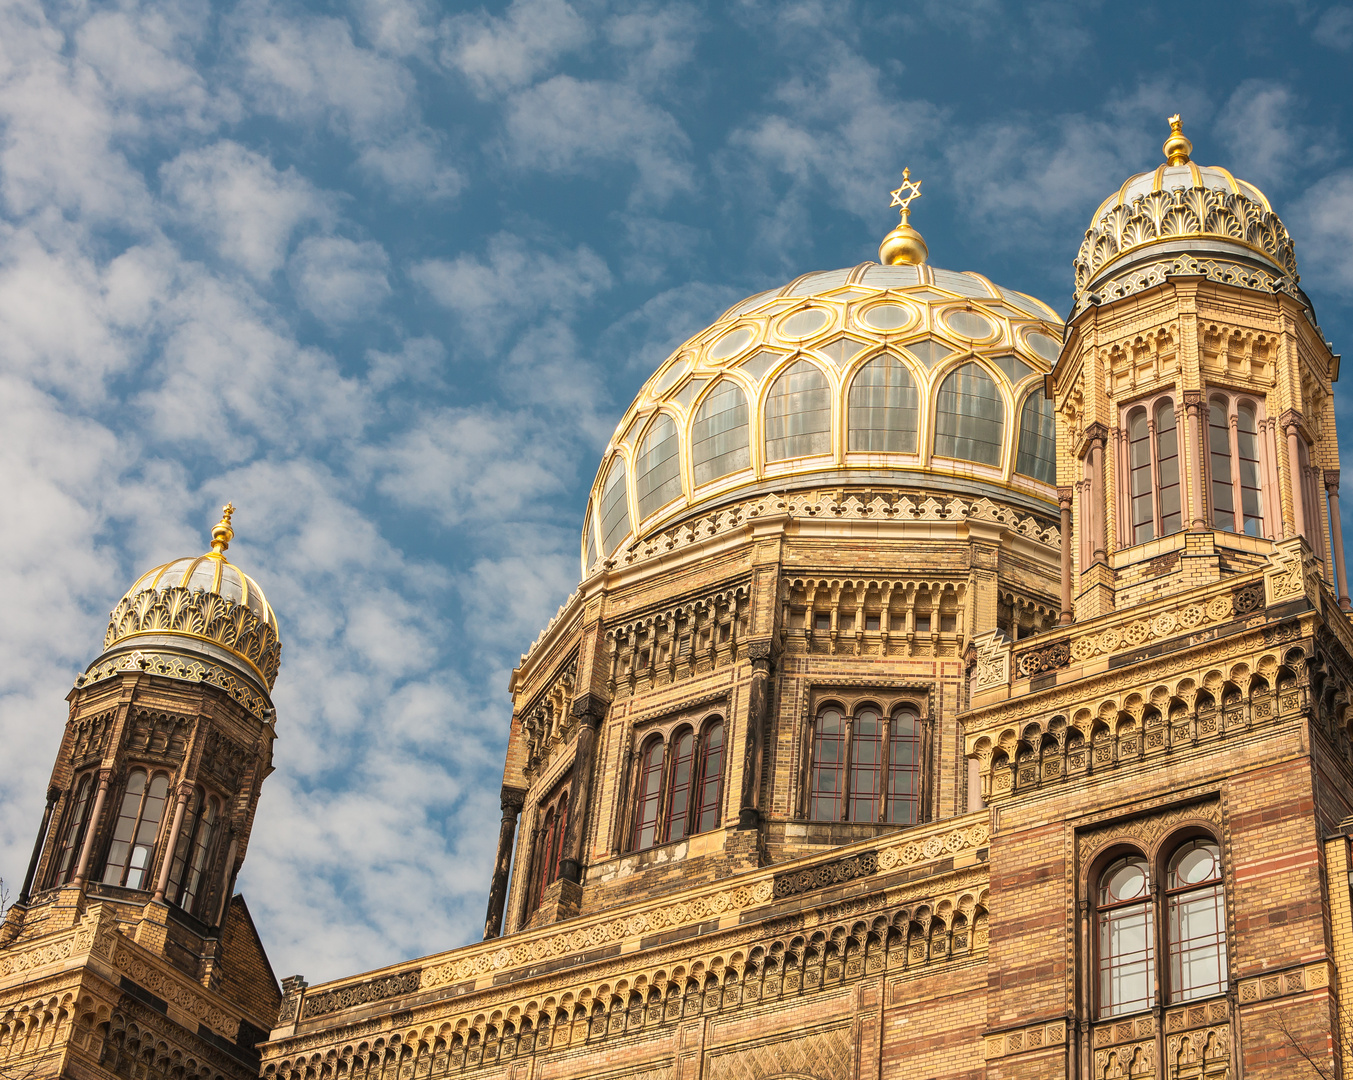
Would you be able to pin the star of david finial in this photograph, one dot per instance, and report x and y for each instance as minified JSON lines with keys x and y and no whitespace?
{"x":903,"y":196}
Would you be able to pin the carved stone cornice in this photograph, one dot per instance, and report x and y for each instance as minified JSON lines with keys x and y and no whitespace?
{"x":512,"y":799}
{"x":172,"y":666}
{"x":590,"y":708}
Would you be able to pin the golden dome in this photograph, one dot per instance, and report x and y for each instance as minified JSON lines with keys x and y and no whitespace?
{"x":842,"y":377}
{"x":1183,"y":218}
{"x":200,"y":603}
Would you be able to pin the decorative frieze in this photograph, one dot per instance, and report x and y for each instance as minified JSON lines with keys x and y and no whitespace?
{"x":362,"y":993}
{"x":175,"y":666}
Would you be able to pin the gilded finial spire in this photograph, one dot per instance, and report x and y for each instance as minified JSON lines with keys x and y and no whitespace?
{"x":222,"y":534}
{"x":904,"y":245}
{"x":1177,"y":148}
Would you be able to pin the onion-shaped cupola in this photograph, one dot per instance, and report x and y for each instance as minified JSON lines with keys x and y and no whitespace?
{"x":1180,"y":219}
{"x":191,"y":616}
{"x":893,"y":373}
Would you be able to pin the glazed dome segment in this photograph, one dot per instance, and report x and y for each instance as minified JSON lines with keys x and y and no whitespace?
{"x":901,"y":375}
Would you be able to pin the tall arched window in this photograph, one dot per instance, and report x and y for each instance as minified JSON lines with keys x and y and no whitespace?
{"x":649,"y":803}
{"x":866,"y":765}
{"x":799,"y":413}
{"x":1126,"y":937}
{"x":904,"y":768}
{"x":615,"y":510}
{"x":679,"y":784}
{"x":883,"y":413}
{"x":1037,"y":439}
{"x":589,"y":544}
{"x":1153,"y":472}
{"x":719,"y":441}
{"x":970,"y":416}
{"x":138,"y":825}
{"x":1233,"y":466}
{"x":1196,"y":922}
{"x":73,"y":835}
{"x":657,"y":469}
{"x":197,"y":841}
{"x":711,"y":777}
{"x":829,"y":766}
{"x":549,"y":842}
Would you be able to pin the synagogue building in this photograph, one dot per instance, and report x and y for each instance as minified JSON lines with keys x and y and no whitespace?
{"x":951,"y":691}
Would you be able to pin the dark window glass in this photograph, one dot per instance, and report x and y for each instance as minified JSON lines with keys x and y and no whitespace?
{"x":1196,"y":914}
{"x":1139,"y":469}
{"x":866,"y":763}
{"x":1127,"y":975}
{"x":969,"y":416}
{"x":799,"y":413}
{"x":679,"y":797}
{"x":1037,"y":439}
{"x":657,"y":469}
{"x":73,"y":836}
{"x":615,"y":511}
{"x":650,"y":796}
{"x":197,"y":840}
{"x":1219,"y":453}
{"x":1251,"y":488}
{"x":711,"y":778}
{"x":829,"y":766}
{"x":904,"y":768}
{"x":138,"y":824}
{"x":1167,"y":459}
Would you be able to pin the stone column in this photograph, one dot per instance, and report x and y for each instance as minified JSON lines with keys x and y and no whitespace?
{"x":1332,"y":490}
{"x":172,"y":843}
{"x":512,"y":800}
{"x":1193,"y":402}
{"x":1064,"y":501}
{"x":53,"y":793}
{"x":92,"y":829}
{"x":1098,"y":543}
{"x":1298,"y":525}
{"x":589,"y":710}
{"x":758,"y":697}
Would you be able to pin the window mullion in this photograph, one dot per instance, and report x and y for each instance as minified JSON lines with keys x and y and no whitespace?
{"x":1157,"y":523}
{"x":885,"y":768}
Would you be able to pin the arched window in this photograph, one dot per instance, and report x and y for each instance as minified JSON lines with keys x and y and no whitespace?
{"x":197,"y":841}
{"x":970,"y":416}
{"x":883,"y":410}
{"x":1153,"y":472}
{"x":829,"y":766}
{"x":1126,"y":937}
{"x":73,"y":835}
{"x":615,"y":510}
{"x":711,"y":777}
{"x":649,"y":800}
{"x":799,"y":413}
{"x":679,"y":785}
{"x":866,"y":765}
{"x":549,"y":842}
{"x":1196,"y":922}
{"x":657,"y":470}
{"x":138,"y":825}
{"x":1037,"y":439}
{"x":719,"y":443}
{"x":1233,"y":466}
{"x":589,"y":544}
{"x":904,"y":768}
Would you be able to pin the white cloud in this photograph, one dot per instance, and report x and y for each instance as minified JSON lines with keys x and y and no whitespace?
{"x":411,"y":165}
{"x":1321,"y":222}
{"x":338,"y":280}
{"x":655,"y":41}
{"x":1262,"y":126}
{"x":495,"y":54}
{"x":246,"y":206}
{"x":1334,"y":28}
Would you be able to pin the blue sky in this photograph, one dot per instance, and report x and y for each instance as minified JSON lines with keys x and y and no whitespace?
{"x":386,"y":272}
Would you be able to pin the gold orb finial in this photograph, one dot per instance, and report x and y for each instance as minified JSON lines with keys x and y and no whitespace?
{"x":904,"y":245}
{"x":1177,"y":148}
{"x":222,"y":534}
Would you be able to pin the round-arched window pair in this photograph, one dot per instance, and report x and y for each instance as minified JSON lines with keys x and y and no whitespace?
{"x":1130,"y":932}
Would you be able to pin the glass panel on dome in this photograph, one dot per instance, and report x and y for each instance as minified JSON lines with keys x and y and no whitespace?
{"x":928,"y":352}
{"x":969,"y":416}
{"x":1045,"y":346}
{"x":615,"y":511}
{"x":805,"y":323}
{"x":883,"y":412}
{"x":816,"y":283}
{"x":668,"y":378}
{"x":731,"y":342}
{"x":969,"y":324}
{"x":963,"y":284}
{"x":589,"y":545}
{"x":1024,"y":303}
{"x":689,"y":392}
{"x":891,"y":277}
{"x":657,"y":469}
{"x":799,"y":413}
{"x":1037,"y":439}
{"x":747,"y":305}
{"x":719,"y":440}
{"x":842,"y":351}
{"x":888,"y":317}
{"x":759,"y":363}
{"x":1014,"y":368}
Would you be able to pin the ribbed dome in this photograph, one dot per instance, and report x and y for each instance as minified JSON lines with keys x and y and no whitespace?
{"x":1183,"y":219}
{"x":203,"y":599}
{"x":899,"y":375}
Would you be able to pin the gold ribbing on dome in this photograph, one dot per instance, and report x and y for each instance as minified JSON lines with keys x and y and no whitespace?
{"x":904,"y":245}
{"x":1177,"y":147}
{"x":222,"y":534}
